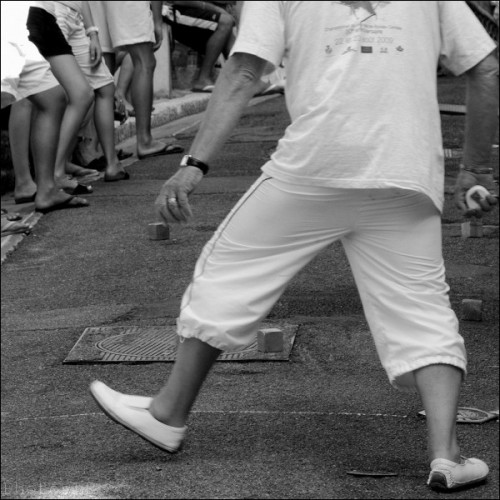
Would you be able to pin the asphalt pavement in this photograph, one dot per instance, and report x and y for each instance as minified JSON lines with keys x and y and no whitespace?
{"x":292,"y":429}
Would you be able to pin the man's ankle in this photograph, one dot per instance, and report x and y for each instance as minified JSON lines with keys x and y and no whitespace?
{"x":161,"y":415}
{"x":448,"y":454}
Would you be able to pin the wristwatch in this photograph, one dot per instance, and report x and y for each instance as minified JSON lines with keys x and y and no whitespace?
{"x":190,"y":161}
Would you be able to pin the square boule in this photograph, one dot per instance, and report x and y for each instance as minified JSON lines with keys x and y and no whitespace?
{"x":158,"y":231}
{"x":270,"y":340}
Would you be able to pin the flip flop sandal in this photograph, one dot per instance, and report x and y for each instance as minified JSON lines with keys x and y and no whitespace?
{"x":90,"y":172}
{"x":24,"y":199}
{"x":14,"y":217}
{"x":16,"y":229}
{"x":73,"y":202}
{"x":207,"y":89}
{"x":120,"y":176}
{"x":98,"y":164}
{"x":169,"y":149}
{"x":123,"y":155}
{"x":80,"y":189}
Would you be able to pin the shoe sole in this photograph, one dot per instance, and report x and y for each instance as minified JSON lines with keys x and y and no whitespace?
{"x":438,"y":483}
{"x":118,"y":421}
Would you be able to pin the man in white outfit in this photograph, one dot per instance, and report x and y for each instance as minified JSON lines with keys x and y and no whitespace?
{"x":361,"y":161}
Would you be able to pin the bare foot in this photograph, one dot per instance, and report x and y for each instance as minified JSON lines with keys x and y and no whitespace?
{"x":72,"y":186}
{"x":57,"y":199}
{"x":66,"y":182}
{"x":114,"y":170}
{"x":151,"y":148}
{"x":166,"y":149}
{"x":204,"y":85}
{"x":77,"y":171}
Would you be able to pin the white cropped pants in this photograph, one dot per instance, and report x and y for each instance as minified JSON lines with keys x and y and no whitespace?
{"x":392,"y":238}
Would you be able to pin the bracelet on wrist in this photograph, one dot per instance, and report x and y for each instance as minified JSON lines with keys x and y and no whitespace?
{"x":190,"y":161}
{"x":480,"y":170}
{"x":91,"y":29}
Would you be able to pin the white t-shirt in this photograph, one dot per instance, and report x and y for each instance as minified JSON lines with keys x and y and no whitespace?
{"x":51,"y":8}
{"x":361,"y":87}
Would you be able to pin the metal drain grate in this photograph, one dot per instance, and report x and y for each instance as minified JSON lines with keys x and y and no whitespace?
{"x":159,"y":344}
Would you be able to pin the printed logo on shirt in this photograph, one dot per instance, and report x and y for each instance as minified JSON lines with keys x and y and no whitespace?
{"x":361,"y":27}
{"x":363,"y":10}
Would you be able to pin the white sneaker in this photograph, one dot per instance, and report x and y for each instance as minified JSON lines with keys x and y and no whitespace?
{"x":133,"y":413}
{"x":448,"y":475}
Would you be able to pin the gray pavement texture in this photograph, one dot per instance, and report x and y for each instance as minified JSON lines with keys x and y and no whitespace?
{"x":260,"y":429}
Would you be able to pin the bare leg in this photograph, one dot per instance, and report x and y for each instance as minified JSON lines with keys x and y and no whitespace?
{"x":104,"y":122}
{"x":124,"y":82}
{"x":45,"y":125}
{"x":439,"y":388}
{"x":86,"y":148}
{"x":216,"y":44}
{"x":80,"y":97}
{"x":142,"y":96}
{"x":19,"y":138}
{"x":194,"y":360}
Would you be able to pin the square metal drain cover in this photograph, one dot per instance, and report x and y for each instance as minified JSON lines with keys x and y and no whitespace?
{"x":134,"y":344}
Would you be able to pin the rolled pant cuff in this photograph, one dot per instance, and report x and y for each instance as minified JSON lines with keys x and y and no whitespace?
{"x":402,"y":377}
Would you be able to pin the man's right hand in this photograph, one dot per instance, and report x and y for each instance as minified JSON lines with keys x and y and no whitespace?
{"x":467,"y":180}
{"x":172,"y":204}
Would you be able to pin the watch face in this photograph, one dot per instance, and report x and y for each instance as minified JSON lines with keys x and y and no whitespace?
{"x":184,"y":161}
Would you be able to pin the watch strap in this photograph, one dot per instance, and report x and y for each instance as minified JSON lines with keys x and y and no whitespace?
{"x":191,"y":161}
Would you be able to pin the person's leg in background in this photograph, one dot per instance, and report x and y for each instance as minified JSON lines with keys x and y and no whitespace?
{"x":132,"y":27}
{"x":217,"y":44}
{"x":141,"y":90}
{"x":80,"y":98}
{"x":56,"y":50}
{"x":124,"y":82}
{"x":88,"y":150}
{"x":104,"y":123}
{"x":101,"y":81}
{"x":50,"y":106}
{"x":19,"y":140}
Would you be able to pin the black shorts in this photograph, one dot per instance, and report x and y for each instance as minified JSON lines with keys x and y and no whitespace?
{"x":198,"y":13}
{"x":46,"y":34}
{"x":193,"y":36}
